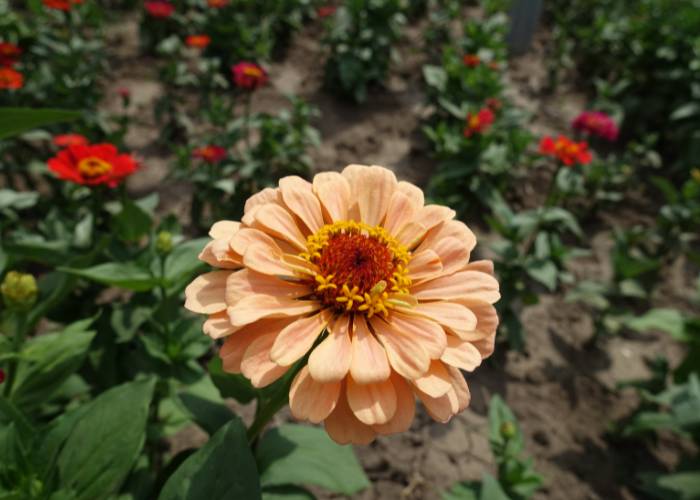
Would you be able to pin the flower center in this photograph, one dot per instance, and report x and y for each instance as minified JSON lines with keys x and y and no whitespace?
{"x":252,"y":71}
{"x":93,"y":166}
{"x":359,"y":267}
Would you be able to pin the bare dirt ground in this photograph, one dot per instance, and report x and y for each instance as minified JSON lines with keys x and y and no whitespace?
{"x":563,"y":392}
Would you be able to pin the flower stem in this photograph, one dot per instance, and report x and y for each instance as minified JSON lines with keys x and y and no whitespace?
{"x":17,"y":342}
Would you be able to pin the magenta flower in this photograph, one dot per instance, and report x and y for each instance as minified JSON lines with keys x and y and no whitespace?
{"x":596,"y":123}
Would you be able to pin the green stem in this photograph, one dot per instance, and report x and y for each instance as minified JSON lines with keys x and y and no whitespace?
{"x":17,"y":342}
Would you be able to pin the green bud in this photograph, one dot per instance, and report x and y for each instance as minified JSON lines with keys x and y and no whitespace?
{"x":164,"y":242}
{"x":19,"y":290}
{"x":508,"y":430}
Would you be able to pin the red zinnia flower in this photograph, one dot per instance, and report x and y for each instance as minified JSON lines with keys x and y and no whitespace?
{"x":159,"y":8}
{"x":471,"y":60}
{"x":217,"y":4}
{"x":11,"y":79}
{"x":198,"y":41}
{"x":326,"y":11}
{"x":567,"y":151}
{"x":478,"y":123}
{"x":9,"y":53}
{"x":124,"y":92}
{"x":93,"y":165}
{"x":249,"y":76}
{"x":596,"y":123}
{"x":64,"y":5}
{"x":493,"y":103}
{"x":211,"y":153}
{"x":65,"y":140}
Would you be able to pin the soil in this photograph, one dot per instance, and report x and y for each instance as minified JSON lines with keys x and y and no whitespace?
{"x":563,"y":391}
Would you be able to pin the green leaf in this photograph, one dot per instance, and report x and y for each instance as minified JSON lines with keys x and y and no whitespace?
{"x":106,"y":441}
{"x":14,"y":121}
{"x":287,"y":492}
{"x":17,"y":200}
{"x":182,"y":262}
{"x":543,"y":271}
{"x":435,"y":76}
{"x":491,"y":489}
{"x":677,"y":486}
{"x":128,"y":275}
{"x":222,"y":468}
{"x":299,"y":454}
{"x":670,"y":321}
{"x":133,"y":222}
{"x":230,"y":385}
{"x":465,"y":490}
{"x":46,"y":362}
{"x":207,"y":414}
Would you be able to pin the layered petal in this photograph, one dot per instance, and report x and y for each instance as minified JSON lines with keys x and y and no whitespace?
{"x":312,"y":400}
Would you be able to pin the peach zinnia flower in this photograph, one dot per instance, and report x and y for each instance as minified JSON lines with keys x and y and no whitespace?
{"x":354,"y":269}
{"x":11,"y":79}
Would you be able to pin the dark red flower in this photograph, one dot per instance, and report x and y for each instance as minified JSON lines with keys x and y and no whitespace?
{"x":65,"y":140}
{"x":478,"y":123}
{"x":471,"y":60}
{"x":93,"y":165}
{"x":248,"y":75}
{"x":565,"y":150}
{"x":596,"y":123}
{"x":326,"y":11}
{"x":9,"y":53}
{"x":11,"y":79}
{"x":2,"y":375}
{"x":124,"y":92}
{"x":493,"y":103}
{"x":210,"y":153}
{"x":159,"y":8}
{"x":64,"y":5}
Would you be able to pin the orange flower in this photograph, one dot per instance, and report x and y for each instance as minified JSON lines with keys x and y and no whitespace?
{"x":471,"y":60}
{"x":211,"y":153}
{"x":248,"y":75}
{"x":478,"y":123}
{"x":567,"y":151}
{"x":9,"y":53}
{"x":198,"y":41}
{"x":65,"y":140}
{"x":355,"y":270}
{"x":11,"y":79}
{"x":217,"y":4}
{"x":93,"y":165}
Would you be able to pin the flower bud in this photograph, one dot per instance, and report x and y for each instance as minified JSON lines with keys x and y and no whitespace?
{"x":695,"y":174}
{"x":508,"y":430}
{"x":19,"y":290}
{"x":164,"y":242}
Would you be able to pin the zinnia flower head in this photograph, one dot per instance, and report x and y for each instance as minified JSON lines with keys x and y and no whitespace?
{"x":65,"y":140}
{"x":64,"y":5}
{"x":198,"y":41}
{"x":93,"y":165}
{"x":471,"y":60}
{"x":356,"y":271}
{"x":493,"y":103}
{"x":565,"y":150}
{"x":9,"y":53}
{"x":211,"y":153}
{"x":124,"y":92}
{"x":11,"y":79}
{"x":2,"y":375}
{"x":478,"y":123}
{"x":217,"y":4}
{"x":326,"y":11}
{"x":159,"y":9}
{"x":596,"y":123}
{"x":248,"y":75}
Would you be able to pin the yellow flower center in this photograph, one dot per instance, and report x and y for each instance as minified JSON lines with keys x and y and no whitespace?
{"x":93,"y":166}
{"x":253,"y":71}
{"x":360,"y":267}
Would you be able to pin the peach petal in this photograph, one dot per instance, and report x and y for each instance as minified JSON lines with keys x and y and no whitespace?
{"x":423,"y":265}
{"x":400,"y":212}
{"x":460,"y":387}
{"x":218,"y":325}
{"x":486,"y":345}
{"x":453,"y":254}
{"x":473,"y":285}
{"x":281,"y":224}
{"x":235,"y":346}
{"x":405,"y":353}
{"x":373,"y":403}
{"x":217,"y":254}
{"x":267,"y":195}
{"x":246,"y":282}
{"x":344,"y":428}
{"x":297,"y":195}
{"x":410,"y":235}
{"x":486,"y":320}
{"x":443,"y":408}
{"x":450,"y":228}
{"x":414,"y":193}
{"x":330,"y":360}
{"x":484,"y":266}
{"x":430,"y":216}
{"x":369,"y":362}
{"x":312,"y":400}
{"x":457,"y":317}
{"x":461,"y":354}
{"x":298,"y":338}
{"x":373,"y":188}
{"x":224,"y":229}
{"x":256,"y":364}
{"x":243,"y":239}
{"x":255,"y":307}
{"x":207,"y":293}
{"x":405,"y":408}
{"x":427,"y":332}
{"x":259,"y":258}
{"x":334,"y":192}
{"x":436,"y":382}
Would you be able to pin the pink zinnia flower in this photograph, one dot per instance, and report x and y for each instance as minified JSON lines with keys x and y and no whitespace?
{"x":248,"y":75}
{"x":159,"y":8}
{"x":355,"y":271}
{"x":596,"y":123}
